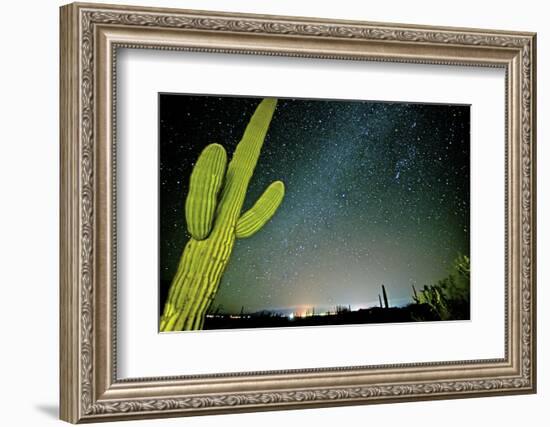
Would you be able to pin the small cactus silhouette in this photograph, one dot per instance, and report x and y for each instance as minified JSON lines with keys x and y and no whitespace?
{"x":213,"y":214}
{"x":386,"y":305}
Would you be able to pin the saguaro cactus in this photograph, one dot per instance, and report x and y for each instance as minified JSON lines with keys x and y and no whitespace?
{"x":386,"y":305}
{"x":213,"y":214}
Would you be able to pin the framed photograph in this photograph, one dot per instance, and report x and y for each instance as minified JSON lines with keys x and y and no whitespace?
{"x":267,"y":212}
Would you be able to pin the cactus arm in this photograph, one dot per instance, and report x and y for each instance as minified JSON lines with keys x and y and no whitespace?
{"x":204,"y":186}
{"x":262,"y":211}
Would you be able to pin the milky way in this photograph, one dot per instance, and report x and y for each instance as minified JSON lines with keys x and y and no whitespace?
{"x":376,"y":193}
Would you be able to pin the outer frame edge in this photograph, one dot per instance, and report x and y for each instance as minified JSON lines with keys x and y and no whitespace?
{"x":69,"y":295}
{"x":68,"y":224}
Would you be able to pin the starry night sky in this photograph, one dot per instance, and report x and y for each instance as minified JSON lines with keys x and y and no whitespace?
{"x":376,"y":193}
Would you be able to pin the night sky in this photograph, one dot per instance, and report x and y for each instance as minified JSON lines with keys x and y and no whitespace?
{"x":376,"y":193}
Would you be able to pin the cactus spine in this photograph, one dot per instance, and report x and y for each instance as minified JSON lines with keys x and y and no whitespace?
{"x":213,"y":214}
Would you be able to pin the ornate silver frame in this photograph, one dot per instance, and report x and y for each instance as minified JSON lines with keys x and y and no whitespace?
{"x":90,"y":36}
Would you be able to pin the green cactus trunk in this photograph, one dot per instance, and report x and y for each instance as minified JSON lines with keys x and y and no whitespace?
{"x":215,"y":222}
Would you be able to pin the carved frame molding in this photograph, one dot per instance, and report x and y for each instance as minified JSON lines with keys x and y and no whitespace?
{"x":90,"y":36}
